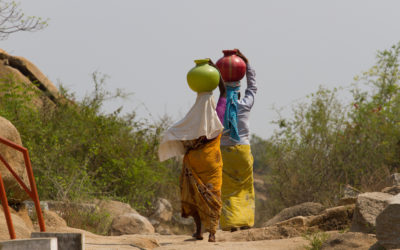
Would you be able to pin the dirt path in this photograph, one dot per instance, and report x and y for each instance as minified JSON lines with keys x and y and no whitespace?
{"x":175,"y":242}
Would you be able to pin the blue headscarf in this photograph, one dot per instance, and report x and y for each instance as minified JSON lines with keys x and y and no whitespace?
{"x":230,"y":118}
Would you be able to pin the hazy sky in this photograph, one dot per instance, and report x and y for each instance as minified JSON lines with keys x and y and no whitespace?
{"x":147,"y":47}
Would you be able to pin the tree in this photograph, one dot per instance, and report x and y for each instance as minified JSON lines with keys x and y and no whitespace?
{"x":12,"y":20}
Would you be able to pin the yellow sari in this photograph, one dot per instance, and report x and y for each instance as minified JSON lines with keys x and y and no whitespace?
{"x":238,"y":204}
{"x":200,"y":183}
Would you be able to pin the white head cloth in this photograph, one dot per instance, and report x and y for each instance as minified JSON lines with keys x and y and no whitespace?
{"x":201,"y":120}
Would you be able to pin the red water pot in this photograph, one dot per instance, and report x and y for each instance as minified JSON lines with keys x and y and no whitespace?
{"x":232,"y":67}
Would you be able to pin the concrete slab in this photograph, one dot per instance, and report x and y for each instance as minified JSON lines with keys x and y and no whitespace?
{"x":65,"y":241}
{"x":31,"y":244}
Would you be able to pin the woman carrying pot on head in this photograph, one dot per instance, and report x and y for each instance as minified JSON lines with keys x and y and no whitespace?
{"x":197,"y":138}
{"x":238,"y":199}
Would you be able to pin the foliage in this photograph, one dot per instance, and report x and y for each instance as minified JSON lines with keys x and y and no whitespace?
{"x":328,"y":144}
{"x":12,"y":20}
{"x":78,"y":151}
{"x":97,"y":221}
{"x":316,"y":240}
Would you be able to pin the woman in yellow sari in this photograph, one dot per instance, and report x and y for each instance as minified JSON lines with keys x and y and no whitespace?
{"x":197,"y":137}
{"x":238,"y":199}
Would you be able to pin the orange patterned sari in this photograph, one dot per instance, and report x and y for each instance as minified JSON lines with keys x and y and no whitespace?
{"x":201,"y":182}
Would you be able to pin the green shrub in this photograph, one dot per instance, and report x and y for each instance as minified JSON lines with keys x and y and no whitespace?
{"x":328,"y":143}
{"x":316,"y":240}
{"x":78,"y":151}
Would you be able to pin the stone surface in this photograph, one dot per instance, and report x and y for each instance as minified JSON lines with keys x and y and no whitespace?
{"x":30,"y":244}
{"x":31,"y":72}
{"x":350,"y":192}
{"x":392,"y":190}
{"x":131,"y":223}
{"x":15,"y":159}
{"x":12,"y":77}
{"x":52,"y":219}
{"x":65,"y":241}
{"x":394,"y":179}
{"x":22,"y":229}
{"x":336,"y":218}
{"x":180,"y":225}
{"x":114,"y":208}
{"x":349,"y":241}
{"x":368,"y":207}
{"x":347,"y":201}
{"x":64,"y":209}
{"x":304,"y":209}
{"x":388,"y":224}
{"x":29,"y":205}
{"x":163,"y":210}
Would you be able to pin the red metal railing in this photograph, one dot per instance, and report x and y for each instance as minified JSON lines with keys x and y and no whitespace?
{"x":31,"y":192}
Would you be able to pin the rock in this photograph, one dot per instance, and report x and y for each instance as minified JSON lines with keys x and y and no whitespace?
{"x":131,"y":223}
{"x":52,"y":219}
{"x":23,"y":214}
{"x":349,"y":241}
{"x":163,"y":211}
{"x":161,"y":217}
{"x":368,"y":207}
{"x":114,"y":208}
{"x":22,"y":230}
{"x":336,"y":218}
{"x":180,"y":225}
{"x":15,"y":159}
{"x":347,"y":201}
{"x":350,"y":192}
{"x":31,"y":72}
{"x":31,"y":210}
{"x":394,"y":179}
{"x":388,"y":224}
{"x":391,"y":190}
{"x":163,"y":229}
{"x":65,"y":209}
{"x":259,"y":185}
{"x":304,"y":209}
{"x":11,"y":77}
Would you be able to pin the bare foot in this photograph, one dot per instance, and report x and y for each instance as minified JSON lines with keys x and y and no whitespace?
{"x":211,"y":238}
{"x":198,"y":236}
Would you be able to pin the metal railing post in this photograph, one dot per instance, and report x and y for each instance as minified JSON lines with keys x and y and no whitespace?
{"x":6,"y":209}
{"x":32,"y":192}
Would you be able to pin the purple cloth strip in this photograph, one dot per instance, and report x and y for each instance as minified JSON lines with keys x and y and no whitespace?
{"x":221,"y":106}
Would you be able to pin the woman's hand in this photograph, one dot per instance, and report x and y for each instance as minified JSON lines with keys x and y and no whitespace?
{"x":240,"y":54}
{"x":211,"y":63}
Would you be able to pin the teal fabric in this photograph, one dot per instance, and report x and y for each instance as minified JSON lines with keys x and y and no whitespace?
{"x":230,"y":118}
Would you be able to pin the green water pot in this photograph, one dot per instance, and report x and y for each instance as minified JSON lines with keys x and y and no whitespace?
{"x":203,"y":77}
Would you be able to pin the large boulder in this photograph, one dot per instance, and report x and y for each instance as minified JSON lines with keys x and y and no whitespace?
{"x":114,"y":208}
{"x":393,"y":190}
{"x":388,"y":224}
{"x":335,"y":218}
{"x":349,"y":241}
{"x":131,"y":223}
{"x":163,"y":210}
{"x":303,"y":209}
{"x":22,"y":229}
{"x":53,"y":220}
{"x":368,"y":207}
{"x":394,"y":179}
{"x":331,"y":219}
{"x":161,"y":217}
{"x":24,"y":70}
{"x":15,"y":159}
